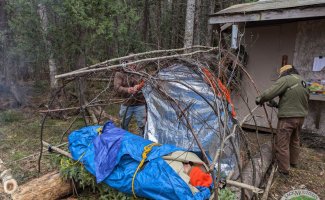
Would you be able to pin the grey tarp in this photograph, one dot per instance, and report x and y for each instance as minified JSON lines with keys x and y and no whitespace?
{"x":184,"y":89}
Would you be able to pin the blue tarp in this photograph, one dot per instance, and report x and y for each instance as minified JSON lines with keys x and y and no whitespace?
{"x":113,"y":156}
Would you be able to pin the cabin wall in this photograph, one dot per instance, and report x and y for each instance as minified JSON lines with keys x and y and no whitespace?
{"x":310,"y":43}
{"x":265,"y":46}
{"x":301,"y":42}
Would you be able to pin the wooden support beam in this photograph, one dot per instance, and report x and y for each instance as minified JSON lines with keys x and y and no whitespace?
{"x":268,"y":15}
{"x":225,"y":26}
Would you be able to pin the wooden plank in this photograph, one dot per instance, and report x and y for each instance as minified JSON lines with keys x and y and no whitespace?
{"x":225,"y":26}
{"x":315,"y":97}
{"x":260,"y":128}
{"x":269,"y":15}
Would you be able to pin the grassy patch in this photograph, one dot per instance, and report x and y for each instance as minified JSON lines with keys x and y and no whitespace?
{"x":10,"y":116}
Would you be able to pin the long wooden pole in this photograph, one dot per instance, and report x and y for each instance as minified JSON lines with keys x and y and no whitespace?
{"x":269,"y":183}
{"x":82,"y":72}
{"x":142,"y":54}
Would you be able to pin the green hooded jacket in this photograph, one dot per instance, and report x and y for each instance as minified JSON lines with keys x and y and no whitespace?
{"x":293,"y":93}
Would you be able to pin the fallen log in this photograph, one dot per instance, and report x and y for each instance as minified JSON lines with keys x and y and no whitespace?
{"x":9,"y":183}
{"x":262,"y":162}
{"x":48,"y":187}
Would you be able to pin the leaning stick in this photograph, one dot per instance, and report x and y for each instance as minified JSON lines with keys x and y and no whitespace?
{"x":269,"y":183}
{"x":140,"y":54}
{"x":79,"y":73}
{"x":245,"y":186}
{"x":34,"y":154}
{"x":58,"y":150}
{"x":232,"y":134}
{"x":76,"y":108}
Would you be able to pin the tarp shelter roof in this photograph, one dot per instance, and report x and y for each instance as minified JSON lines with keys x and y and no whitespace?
{"x":261,"y":7}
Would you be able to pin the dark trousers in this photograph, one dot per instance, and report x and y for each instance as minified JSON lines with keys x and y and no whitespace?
{"x":287,"y":142}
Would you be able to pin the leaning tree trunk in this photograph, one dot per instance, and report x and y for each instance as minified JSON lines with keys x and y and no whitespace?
{"x":52,"y":64}
{"x":50,"y":187}
{"x":189,"y":24}
{"x":262,"y":162}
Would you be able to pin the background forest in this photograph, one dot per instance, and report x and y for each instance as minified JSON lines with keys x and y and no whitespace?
{"x":43,"y":37}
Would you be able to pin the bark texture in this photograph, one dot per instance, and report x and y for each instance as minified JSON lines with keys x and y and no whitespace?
{"x":262,"y":162}
{"x":189,"y":23}
{"x":50,"y":187}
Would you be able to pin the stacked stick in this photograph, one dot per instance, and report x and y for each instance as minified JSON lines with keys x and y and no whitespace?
{"x":225,"y":64}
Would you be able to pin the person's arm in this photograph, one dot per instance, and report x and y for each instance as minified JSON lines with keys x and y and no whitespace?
{"x":118,"y":79}
{"x":279,"y":87}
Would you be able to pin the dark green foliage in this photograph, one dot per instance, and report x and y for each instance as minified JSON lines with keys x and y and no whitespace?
{"x":95,"y":30}
{"x":73,"y":170}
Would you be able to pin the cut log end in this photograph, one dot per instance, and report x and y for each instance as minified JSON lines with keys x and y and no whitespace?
{"x":50,"y":186}
{"x":10,"y":186}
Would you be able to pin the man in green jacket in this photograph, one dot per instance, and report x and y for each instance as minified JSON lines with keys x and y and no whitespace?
{"x":293,"y":108}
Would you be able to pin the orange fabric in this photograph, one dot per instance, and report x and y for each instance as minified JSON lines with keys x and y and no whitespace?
{"x":141,"y":84}
{"x":200,"y":178}
{"x":213,"y":82}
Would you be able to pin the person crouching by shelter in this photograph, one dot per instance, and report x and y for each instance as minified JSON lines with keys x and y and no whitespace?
{"x":129,"y":86}
{"x":293,"y":108}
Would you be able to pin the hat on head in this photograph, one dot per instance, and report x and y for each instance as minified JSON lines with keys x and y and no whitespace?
{"x":285,"y":68}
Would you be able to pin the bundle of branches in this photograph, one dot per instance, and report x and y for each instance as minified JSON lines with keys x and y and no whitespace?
{"x":221,"y":70}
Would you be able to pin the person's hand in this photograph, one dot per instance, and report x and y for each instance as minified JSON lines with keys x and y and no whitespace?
{"x":137,"y":87}
{"x":272,"y":104}
{"x":258,"y":101}
{"x":132,"y":90}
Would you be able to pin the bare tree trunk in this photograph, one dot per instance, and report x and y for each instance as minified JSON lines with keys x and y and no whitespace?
{"x":189,"y":24}
{"x":210,"y":27}
{"x":8,"y":61}
{"x":197,"y":25}
{"x":52,"y":64}
{"x":158,"y":22}
{"x":173,"y":27}
{"x":146,"y":21}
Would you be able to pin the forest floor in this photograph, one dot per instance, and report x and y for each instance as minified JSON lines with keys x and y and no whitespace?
{"x":20,"y":146}
{"x":309,"y":175}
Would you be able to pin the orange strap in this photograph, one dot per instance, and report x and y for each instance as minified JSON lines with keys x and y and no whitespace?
{"x":213,"y":82}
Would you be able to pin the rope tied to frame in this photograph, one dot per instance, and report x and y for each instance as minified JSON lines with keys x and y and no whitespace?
{"x":146,"y":150}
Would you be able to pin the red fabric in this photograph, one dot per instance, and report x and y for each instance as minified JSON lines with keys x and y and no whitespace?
{"x":213,"y":82}
{"x":200,"y":178}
